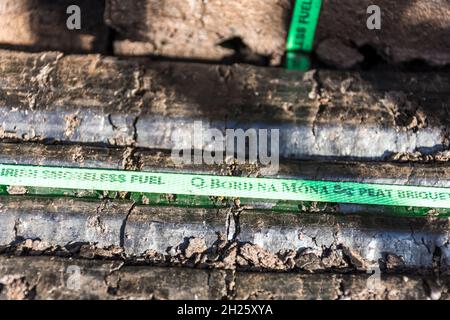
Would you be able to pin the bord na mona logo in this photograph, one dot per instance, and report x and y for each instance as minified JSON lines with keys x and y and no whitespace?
{"x":200,"y":144}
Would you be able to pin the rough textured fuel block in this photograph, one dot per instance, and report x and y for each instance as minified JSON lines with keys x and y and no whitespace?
{"x":260,"y":236}
{"x":129,"y":102}
{"x":41,"y":25}
{"x":195,"y":29}
{"x":410,"y":30}
{"x":28,"y":278}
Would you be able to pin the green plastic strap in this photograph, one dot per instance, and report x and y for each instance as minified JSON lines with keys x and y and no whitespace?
{"x":297,"y":61}
{"x":210,"y":185}
{"x":303,"y":25}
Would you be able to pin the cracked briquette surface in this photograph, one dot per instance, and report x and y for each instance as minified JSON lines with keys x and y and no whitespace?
{"x":57,"y":278}
{"x":136,"y":103}
{"x":258,"y":241}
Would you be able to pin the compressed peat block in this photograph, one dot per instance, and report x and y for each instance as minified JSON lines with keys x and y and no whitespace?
{"x":196,"y":29}
{"x":41,"y":25}
{"x":34,"y":278}
{"x":410,"y":30}
{"x":130,"y":102}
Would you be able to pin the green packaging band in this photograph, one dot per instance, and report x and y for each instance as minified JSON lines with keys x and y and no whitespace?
{"x":303,"y":25}
{"x":212,"y":185}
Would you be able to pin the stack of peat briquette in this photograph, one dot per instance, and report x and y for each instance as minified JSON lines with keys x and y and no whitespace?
{"x":112,"y":95}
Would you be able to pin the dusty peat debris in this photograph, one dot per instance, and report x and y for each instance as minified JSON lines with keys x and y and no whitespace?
{"x":168,"y":150}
